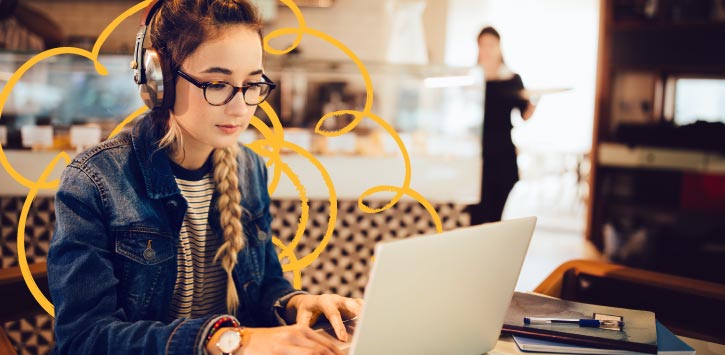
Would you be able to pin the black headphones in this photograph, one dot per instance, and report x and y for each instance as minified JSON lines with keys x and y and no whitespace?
{"x":148,"y":68}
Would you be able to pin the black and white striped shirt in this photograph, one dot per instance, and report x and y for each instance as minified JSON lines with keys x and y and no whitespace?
{"x":200,"y":287}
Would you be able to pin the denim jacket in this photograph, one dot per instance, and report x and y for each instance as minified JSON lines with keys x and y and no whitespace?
{"x":112,"y":260}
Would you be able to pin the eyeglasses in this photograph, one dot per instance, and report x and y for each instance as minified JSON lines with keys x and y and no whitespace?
{"x":218,"y":93}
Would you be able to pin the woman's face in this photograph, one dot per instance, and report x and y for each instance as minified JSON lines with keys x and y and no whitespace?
{"x":235,"y":56}
{"x":489,"y":51}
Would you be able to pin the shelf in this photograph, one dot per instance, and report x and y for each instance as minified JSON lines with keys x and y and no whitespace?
{"x":715,"y":163}
{"x":639,"y":25}
{"x":676,"y":46}
{"x":643,"y":157}
{"x":432,"y":176}
{"x":659,"y":213}
{"x":716,"y":70}
{"x":651,"y":212}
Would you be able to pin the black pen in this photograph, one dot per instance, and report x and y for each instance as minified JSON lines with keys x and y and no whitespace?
{"x":591,"y":323}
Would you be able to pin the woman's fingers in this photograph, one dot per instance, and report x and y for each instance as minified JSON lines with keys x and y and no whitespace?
{"x":331,"y":309}
{"x":305,"y":316}
{"x":296,"y":340}
{"x":334,"y":308}
{"x":353,"y":307}
{"x":321,"y":340}
{"x":306,"y":338}
{"x":301,"y":350}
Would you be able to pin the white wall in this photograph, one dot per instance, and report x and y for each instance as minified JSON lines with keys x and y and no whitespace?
{"x":363,"y":26}
{"x":551,"y":43}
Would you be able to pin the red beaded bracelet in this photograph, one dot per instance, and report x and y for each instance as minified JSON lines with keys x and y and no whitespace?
{"x":223,"y":322}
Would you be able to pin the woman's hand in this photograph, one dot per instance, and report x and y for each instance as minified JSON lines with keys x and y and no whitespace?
{"x":305,"y":309}
{"x":288,"y":340}
{"x":292,"y":340}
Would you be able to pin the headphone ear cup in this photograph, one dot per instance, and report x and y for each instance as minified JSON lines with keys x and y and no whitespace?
{"x":153,"y":89}
{"x":169,"y":79}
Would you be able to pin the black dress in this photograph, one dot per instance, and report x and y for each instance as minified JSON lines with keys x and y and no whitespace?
{"x":500,"y":170}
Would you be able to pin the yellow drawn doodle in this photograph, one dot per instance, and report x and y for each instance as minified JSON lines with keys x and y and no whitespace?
{"x":269,"y":146}
{"x":358,"y":115}
{"x":41,"y":183}
{"x":22,"y":260}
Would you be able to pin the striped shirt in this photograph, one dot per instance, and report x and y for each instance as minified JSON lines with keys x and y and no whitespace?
{"x":200,"y":287}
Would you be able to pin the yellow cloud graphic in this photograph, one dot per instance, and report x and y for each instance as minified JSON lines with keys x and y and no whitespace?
{"x":269,"y":146}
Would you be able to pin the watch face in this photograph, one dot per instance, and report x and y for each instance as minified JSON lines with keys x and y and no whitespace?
{"x":229,"y":341}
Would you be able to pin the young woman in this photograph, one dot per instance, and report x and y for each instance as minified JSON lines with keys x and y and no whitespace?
{"x":163,"y":241}
{"x":504,"y":90}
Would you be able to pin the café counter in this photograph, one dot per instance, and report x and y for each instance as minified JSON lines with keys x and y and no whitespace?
{"x":438,"y":179}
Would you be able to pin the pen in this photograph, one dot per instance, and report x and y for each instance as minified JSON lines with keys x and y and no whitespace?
{"x":593,"y":323}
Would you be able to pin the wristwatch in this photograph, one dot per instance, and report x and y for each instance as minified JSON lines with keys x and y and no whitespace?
{"x":230,"y":341}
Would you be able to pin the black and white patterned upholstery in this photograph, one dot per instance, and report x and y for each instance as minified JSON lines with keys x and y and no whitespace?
{"x":341,"y":268}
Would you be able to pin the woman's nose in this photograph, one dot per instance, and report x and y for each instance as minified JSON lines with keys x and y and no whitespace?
{"x":237,"y":106}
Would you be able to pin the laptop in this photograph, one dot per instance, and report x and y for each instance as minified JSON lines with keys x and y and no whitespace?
{"x":443,"y":293}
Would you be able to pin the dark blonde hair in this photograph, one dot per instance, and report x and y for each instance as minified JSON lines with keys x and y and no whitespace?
{"x":177,"y":30}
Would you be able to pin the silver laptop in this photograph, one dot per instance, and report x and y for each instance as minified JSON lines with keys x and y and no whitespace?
{"x":444,"y":293}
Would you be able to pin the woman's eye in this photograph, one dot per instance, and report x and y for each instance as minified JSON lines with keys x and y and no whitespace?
{"x":216,"y":86}
{"x":253,"y":81}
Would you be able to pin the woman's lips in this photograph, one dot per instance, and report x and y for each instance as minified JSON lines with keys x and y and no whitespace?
{"x":228,"y":129}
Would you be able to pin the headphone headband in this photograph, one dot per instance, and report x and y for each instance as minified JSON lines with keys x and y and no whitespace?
{"x":138,"y":64}
{"x":149,"y":12}
{"x":148,"y":69}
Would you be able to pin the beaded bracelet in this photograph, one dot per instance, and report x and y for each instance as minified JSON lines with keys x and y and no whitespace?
{"x":223,"y":322}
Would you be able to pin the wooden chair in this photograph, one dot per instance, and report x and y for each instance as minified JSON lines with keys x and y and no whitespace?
{"x":689,"y":307}
{"x":17,"y":302}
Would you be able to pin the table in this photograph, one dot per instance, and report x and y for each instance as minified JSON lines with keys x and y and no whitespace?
{"x":506,"y":346}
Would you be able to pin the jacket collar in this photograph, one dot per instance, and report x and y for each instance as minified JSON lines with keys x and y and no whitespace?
{"x":153,"y":162}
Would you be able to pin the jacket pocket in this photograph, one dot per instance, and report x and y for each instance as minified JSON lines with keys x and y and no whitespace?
{"x":146,"y":272}
{"x":144,"y":247}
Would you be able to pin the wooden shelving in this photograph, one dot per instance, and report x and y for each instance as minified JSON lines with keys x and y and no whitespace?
{"x":638,"y":52}
{"x":644,"y":157}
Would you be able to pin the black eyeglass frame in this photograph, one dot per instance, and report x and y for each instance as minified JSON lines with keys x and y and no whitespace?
{"x":203,"y":85}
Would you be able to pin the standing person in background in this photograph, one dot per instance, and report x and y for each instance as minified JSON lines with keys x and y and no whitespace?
{"x":163,"y":242}
{"x":504,"y":92}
